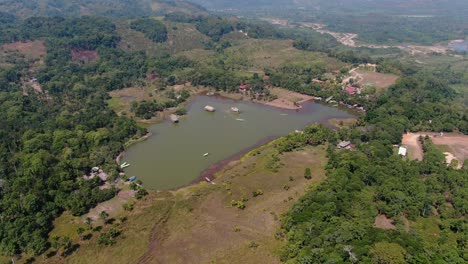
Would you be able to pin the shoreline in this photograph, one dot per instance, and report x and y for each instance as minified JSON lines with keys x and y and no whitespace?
{"x":217,"y":167}
{"x":129,"y":144}
{"x":213,"y":169}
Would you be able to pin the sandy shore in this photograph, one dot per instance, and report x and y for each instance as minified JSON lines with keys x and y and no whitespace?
{"x":286,"y":99}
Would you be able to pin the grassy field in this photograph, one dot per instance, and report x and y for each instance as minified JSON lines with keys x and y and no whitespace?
{"x":197,"y":224}
{"x":261,"y":53}
{"x":121,"y":100}
{"x":376,"y":79}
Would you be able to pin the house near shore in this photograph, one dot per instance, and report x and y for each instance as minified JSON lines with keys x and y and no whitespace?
{"x":402,"y":151}
{"x":243,"y":87}
{"x":350,"y":90}
{"x":344,"y":145}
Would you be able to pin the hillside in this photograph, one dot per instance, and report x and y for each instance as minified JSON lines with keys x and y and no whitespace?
{"x":117,"y":8}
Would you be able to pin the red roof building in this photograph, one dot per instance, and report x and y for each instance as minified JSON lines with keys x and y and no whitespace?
{"x":351,"y":90}
{"x":243,"y":87}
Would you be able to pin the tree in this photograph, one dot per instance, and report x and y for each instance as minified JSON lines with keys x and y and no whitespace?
{"x":89,"y":222}
{"x":307,"y":174}
{"x":104,"y":216}
{"x":141,"y":193}
{"x":80,"y":232}
{"x":388,"y":253}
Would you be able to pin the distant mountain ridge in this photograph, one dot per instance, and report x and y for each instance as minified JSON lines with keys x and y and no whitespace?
{"x":426,"y":7}
{"x":116,"y":8}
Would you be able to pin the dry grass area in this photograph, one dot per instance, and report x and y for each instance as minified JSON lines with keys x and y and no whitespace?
{"x":288,"y":99}
{"x":376,"y":79}
{"x":113,"y":207}
{"x":121,"y":100}
{"x":456,"y":145}
{"x":342,"y":122}
{"x":205,"y":228}
{"x":32,"y":49}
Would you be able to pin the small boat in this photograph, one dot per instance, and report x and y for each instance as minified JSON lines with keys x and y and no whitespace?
{"x":174,"y":118}
{"x":209,"y":93}
{"x":133,"y":178}
{"x":207,"y":179}
{"x":206,"y":154}
{"x":209,"y":108}
{"x":240,"y":119}
{"x":235,"y":110}
{"x":124,"y":165}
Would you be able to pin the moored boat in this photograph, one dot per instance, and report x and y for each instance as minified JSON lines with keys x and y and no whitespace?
{"x":235,"y":110}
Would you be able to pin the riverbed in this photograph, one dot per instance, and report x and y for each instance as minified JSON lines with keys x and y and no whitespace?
{"x":174,"y":155}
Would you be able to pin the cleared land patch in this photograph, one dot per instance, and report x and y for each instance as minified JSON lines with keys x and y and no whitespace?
{"x":33,"y":49}
{"x":453,"y":143}
{"x":288,"y":99}
{"x":376,"y":79}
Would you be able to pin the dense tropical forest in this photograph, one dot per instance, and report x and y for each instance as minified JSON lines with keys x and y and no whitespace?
{"x":50,"y":138}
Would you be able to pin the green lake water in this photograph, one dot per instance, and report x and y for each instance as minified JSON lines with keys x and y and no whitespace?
{"x":173,"y":156}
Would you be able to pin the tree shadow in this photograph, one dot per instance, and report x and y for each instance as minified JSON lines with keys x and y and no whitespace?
{"x":87,"y":236}
{"x":71,"y":250}
{"x":30,"y":260}
{"x":51,"y":254}
{"x":97,"y":229}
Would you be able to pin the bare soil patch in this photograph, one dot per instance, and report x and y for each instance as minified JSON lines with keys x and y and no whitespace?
{"x":379,"y":80}
{"x":382,"y":222}
{"x":288,"y":99}
{"x":112,"y":207}
{"x":85,"y":56}
{"x":455,"y":142}
{"x":411,"y":141}
{"x":33,"y":49}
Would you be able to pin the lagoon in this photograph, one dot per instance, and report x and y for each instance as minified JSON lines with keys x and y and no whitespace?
{"x":174,"y":154}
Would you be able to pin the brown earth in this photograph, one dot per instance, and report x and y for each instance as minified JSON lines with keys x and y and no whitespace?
{"x":382,"y":222}
{"x":84,"y":55}
{"x":288,"y":99}
{"x":34,"y":49}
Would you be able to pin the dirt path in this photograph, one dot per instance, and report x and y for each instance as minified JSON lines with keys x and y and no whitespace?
{"x":411,"y":141}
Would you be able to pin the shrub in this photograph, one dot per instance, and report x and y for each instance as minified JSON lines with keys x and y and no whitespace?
{"x":257,"y":192}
